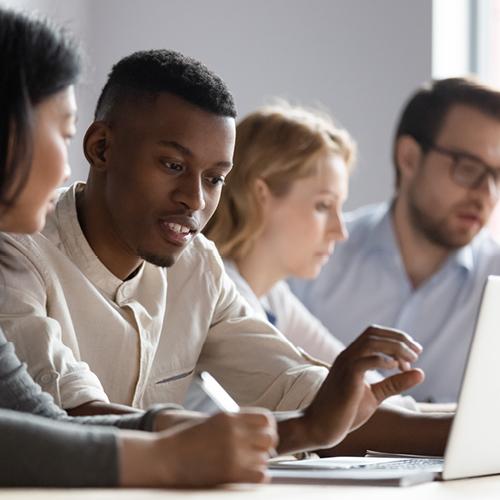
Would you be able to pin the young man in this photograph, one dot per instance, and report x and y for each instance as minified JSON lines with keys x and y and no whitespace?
{"x":419,"y":262}
{"x":122,"y":280}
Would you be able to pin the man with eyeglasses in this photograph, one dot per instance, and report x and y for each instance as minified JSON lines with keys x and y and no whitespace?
{"x":419,"y":262}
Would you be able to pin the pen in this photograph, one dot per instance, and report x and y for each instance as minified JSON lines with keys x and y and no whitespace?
{"x":217,"y":393}
{"x":221,"y":398}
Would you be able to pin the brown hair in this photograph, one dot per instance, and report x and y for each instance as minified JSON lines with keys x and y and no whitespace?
{"x":426,"y":110}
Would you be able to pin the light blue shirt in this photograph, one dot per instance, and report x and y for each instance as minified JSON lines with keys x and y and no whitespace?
{"x":365,"y":282}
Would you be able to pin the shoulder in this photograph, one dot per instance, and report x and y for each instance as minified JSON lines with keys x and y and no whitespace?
{"x":361,"y":224}
{"x":282,"y":300}
{"x":365,"y":217}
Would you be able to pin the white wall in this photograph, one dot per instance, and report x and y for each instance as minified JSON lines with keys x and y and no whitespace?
{"x":358,"y":58}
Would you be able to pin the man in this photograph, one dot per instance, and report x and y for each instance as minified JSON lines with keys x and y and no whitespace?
{"x":419,"y":262}
{"x":122,"y":280}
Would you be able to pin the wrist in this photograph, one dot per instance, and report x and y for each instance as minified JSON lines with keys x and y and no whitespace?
{"x":298,"y":434}
{"x":139,"y":463}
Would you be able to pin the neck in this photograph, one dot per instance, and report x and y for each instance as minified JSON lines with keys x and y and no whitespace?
{"x":98,"y":229}
{"x":421,"y":257}
{"x":259,"y":271}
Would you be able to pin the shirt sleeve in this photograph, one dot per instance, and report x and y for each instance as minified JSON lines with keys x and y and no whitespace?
{"x":255,"y":363}
{"x":38,"y":338}
{"x":19,"y":392}
{"x":36,"y":451}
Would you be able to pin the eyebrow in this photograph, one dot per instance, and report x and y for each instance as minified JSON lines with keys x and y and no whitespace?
{"x":187,"y":152}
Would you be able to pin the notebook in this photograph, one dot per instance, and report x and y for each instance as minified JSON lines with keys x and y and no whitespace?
{"x":474,"y":441}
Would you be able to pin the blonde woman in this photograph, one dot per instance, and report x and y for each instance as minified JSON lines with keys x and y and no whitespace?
{"x":279,"y":216}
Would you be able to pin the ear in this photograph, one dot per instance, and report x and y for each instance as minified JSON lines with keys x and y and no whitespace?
{"x":263,"y":197}
{"x":408,"y":156}
{"x":262,"y":192}
{"x":96,"y":145}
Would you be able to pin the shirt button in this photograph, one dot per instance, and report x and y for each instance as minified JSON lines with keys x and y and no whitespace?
{"x":47,"y":378}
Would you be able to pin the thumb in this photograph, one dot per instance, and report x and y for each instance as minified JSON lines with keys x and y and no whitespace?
{"x":395,"y":384}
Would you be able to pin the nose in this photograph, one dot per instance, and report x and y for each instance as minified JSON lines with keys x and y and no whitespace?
{"x":190,"y":193}
{"x":66,"y":173}
{"x":337,"y":229}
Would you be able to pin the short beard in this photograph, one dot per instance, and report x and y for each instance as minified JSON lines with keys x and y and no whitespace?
{"x":157,"y":260}
{"x":434,"y":230}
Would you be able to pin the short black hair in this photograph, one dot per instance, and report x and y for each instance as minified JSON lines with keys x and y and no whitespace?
{"x":37,"y":60}
{"x":145,"y":74}
{"x":425,"y":111}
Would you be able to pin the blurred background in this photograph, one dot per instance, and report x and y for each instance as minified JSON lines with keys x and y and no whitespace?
{"x":357,"y":59}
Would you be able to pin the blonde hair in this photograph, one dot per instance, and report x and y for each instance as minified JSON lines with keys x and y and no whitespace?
{"x":278,"y":144}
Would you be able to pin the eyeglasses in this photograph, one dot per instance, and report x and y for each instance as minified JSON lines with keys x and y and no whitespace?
{"x":466,"y":169}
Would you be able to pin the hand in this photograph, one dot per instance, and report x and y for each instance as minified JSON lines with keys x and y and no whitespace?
{"x":345,"y":400}
{"x":167,"y":419}
{"x":226,"y":448}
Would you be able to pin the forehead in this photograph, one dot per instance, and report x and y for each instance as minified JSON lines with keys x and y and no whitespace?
{"x":467,"y":128}
{"x":171,"y":118}
{"x":330,"y":175}
{"x":60,"y":106}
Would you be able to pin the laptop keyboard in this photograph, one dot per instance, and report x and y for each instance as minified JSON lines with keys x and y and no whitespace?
{"x":431,"y":464}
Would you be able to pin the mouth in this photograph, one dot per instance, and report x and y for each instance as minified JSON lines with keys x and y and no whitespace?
{"x":470,"y":218}
{"x":178,"y":231}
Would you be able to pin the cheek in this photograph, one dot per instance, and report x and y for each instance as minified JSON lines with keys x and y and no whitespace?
{"x":50,"y":163}
{"x":212,"y":198}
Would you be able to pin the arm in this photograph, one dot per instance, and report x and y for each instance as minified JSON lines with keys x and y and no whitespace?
{"x":38,"y":338}
{"x":38,"y":452}
{"x":346,"y":401}
{"x":396,"y":430}
{"x":225,"y":449}
{"x":19,"y":392}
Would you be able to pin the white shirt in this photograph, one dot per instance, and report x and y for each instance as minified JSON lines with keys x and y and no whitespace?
{"x":366,"y":282}
{"x":301,"y":327}
{"x":86,"y":335}
{"x":291,"y":317}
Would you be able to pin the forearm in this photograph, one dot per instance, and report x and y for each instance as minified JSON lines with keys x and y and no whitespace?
{"x":38,"y":452}
{"x":397,"y":431}
{"x":101,"y":408}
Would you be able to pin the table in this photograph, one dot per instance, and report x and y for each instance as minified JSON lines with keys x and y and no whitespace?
{"x":485,"y":488}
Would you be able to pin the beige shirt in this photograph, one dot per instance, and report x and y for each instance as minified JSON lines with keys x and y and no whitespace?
{"x":86,"y":335}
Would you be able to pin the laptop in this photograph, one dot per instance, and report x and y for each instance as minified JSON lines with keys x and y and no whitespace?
{"x":474,"y":441}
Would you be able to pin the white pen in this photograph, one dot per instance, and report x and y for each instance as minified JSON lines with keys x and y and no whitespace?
{"x":217,"y":393}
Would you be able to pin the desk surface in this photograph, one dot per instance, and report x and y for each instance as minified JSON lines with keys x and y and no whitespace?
{"x":483,"y":488}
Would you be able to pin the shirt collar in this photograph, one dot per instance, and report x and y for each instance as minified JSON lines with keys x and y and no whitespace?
{"x":78,"y":248}
{"x":383,"y":238}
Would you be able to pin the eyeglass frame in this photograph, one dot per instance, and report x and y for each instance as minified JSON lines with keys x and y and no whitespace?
{"x":455,"y":156}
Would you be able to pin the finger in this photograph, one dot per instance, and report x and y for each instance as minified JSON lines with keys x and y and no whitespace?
{"x":394,"y":334}
{"x":396,"y":384}
{"x":265,"y":441}
{"x":251,"y":475}
{"x":258,"y":417}
{"x":374,"y":362}
{"x":375,"y":344}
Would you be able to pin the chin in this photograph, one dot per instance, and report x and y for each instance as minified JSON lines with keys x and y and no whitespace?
{"x":308,"y":273}
{"x":158,"y":260}
{"x":29,"y":226}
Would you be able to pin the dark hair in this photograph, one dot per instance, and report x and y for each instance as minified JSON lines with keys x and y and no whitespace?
{"x":426,"y":110}
{"x":144,"y":74}
{"x":37,"y":60}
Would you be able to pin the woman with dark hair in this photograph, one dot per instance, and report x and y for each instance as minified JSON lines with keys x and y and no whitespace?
{"x":39,"y":444}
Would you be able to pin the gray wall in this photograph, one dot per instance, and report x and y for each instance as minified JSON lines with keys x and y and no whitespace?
{"x":359,"y":59}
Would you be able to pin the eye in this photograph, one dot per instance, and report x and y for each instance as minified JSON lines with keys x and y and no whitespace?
{"x":172,"y":166}
{"x":217,"y":180}
{"x":322,"y":206}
